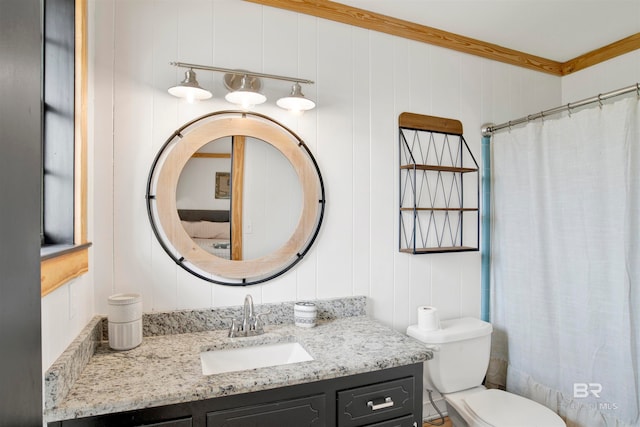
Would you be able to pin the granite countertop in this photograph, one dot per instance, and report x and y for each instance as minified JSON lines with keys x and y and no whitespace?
{"x":166,"y":369}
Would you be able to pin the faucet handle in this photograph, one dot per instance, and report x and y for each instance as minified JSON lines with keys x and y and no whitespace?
{"x":260,"y":321}
{"x":233,"y":329}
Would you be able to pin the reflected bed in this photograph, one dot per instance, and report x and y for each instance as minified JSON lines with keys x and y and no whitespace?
{"x":209,"y":229}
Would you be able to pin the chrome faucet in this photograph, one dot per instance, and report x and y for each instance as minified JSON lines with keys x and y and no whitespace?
{"x":251,"y":323}
{"x":249,"y":319}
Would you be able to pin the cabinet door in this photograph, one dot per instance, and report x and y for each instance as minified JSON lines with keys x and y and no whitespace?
{"x":305,"y":411}
{"x":377,"y":402}
{"x":147,"y":418}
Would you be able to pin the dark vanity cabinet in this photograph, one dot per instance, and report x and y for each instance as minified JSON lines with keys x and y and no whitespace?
{"x":390,"y":398}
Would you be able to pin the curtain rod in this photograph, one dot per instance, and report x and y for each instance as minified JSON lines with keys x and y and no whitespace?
{"x":489,"y":129}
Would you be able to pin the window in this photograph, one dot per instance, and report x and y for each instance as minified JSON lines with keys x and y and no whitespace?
{"x":64,"y":253}
{"x":58,"y":126}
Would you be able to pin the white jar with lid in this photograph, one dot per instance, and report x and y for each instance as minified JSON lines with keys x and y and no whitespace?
{"x":304,"y":314}
{"x":125,"y":321}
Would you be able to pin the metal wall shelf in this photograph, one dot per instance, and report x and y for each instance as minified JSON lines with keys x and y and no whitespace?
{"x":436,"y":165}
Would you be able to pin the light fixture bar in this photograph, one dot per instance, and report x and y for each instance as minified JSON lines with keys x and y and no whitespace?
{"x":241,"y":72}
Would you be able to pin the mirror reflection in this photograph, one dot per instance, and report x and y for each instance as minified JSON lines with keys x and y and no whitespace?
{"x":239,"y":198}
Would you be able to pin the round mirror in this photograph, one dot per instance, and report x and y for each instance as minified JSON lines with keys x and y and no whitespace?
{"x":235,"y":198}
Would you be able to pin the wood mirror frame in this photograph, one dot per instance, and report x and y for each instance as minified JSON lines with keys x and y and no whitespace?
{"x":163,"y":212}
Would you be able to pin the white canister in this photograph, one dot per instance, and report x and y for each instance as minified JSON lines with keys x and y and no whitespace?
{"x":125,"y":321}
{"x":304,"y":314}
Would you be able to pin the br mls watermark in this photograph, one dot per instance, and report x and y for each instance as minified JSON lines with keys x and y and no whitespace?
{"x":584,"y":390}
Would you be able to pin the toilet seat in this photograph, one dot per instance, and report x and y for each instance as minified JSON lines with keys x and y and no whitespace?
{"x":497,"y":408}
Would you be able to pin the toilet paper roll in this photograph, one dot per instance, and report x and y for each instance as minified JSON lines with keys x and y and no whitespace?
{"x":428,"y":319}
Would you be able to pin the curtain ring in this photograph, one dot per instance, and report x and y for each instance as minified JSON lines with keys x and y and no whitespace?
{"x":638,"y":90}
{"x":600,"y":100}
{"x":509,"y":125}
{"x":542,"y":116}
{"x":569,"y":108}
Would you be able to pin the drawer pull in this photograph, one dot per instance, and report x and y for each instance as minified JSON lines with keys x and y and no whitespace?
{"x":388,"y":403}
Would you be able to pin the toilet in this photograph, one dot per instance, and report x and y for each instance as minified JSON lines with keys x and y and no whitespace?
{"x":461,"y":350}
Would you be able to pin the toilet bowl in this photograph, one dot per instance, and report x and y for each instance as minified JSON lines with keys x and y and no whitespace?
{"x":461,"y":357}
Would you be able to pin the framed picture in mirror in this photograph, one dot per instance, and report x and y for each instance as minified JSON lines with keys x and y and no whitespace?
{"x":223,"y":185}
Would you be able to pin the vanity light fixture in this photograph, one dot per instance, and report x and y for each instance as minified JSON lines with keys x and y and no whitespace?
{"x":189,"y":88}
{"x":244,"y":88}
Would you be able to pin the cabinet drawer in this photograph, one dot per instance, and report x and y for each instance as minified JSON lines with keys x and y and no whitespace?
{"x":184,"y":422}
{"x":396,"y":422}
{"x":306,"y":411}
{"x":376,"y":402}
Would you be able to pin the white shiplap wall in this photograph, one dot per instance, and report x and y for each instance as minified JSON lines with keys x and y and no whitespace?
{"x":364,"y":80}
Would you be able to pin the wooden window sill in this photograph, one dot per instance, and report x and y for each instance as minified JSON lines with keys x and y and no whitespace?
{"x":61,"y":263}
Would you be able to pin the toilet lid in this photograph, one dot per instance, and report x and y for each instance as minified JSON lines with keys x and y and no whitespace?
{"x":499,"y":408}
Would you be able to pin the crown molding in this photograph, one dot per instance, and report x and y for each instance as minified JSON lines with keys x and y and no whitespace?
{"x":397,"y":27}
{"x":626,"y":45}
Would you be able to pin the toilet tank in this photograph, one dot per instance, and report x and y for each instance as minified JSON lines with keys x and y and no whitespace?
{"x":461,"y":350}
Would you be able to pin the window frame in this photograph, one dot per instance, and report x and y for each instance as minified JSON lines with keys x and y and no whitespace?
{"x":61,"y":263}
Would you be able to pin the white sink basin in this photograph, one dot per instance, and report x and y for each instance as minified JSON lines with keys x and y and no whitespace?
{"x":259,"y":356}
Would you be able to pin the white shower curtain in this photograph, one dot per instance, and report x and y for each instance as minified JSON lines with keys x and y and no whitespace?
{"x":565,"y":263}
